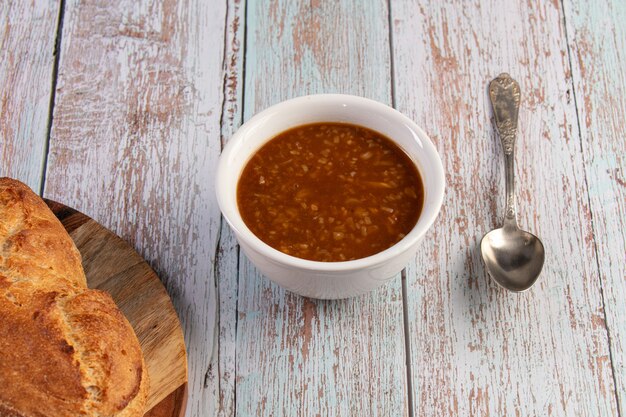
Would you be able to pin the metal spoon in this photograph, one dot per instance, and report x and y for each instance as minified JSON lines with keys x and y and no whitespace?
{"x":513,"y":257}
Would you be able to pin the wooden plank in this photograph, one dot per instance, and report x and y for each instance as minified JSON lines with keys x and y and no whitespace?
{"x":297,"y":356}
{"x":221,"y":375}
{"x":27,"y":35}
{"x":134,"y":141}
{"x":476,"y":349}
{"x":597,"y":38}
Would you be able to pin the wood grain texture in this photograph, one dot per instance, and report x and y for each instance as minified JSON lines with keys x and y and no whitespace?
{"x":113,"y":266}
{"x":149,"y":91}
{"x":220,"y":378}
{"x":476,"y":349}
{"x":135,"y":140}
{"x":597,"y":41}
{"x":296,"y":356}
{"x":174,"y":405}
{"x":27,"y":36}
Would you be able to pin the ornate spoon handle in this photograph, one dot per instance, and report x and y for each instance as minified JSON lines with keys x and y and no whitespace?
{"x":504,"y":93}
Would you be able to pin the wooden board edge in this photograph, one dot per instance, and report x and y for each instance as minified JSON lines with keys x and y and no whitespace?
{"x":174,"y":404}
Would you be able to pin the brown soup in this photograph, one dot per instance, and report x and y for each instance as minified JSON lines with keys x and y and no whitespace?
{"x":330,"y":192}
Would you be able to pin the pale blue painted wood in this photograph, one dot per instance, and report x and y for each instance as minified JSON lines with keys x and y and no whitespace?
{"x":305,"y":47}
{"x":27,"y":36}
{"x":296,"y":356}
{"x":220,"y":378}
{"x":135,"y":140}
{"x":477,"y":350}
{"x":597,"y":38}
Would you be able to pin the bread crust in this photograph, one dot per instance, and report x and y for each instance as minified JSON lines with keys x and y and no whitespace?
{"x":66,"y":350}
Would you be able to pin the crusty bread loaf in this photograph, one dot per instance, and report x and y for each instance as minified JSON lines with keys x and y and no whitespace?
{"x":65,"y":350}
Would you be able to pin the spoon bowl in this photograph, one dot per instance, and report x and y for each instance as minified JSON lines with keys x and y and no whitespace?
{"x":513,"y":258}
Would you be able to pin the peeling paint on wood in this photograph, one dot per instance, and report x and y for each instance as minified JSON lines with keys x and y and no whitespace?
{"x":476,"y":349}
{"x":135,"y":139}
{"x":148,"y":92}
{"x":296,"y":356}
{"x":27,"y":36}
{"x":221,"y":382}
{"x":597,"y":40}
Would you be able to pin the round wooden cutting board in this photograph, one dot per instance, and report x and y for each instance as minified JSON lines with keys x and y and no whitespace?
{"x":112,"y":265}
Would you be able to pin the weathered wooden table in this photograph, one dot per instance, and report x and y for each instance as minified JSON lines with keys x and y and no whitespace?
{"x":120,"y":109}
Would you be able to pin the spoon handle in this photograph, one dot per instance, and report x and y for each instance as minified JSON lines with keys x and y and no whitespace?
{"x":504,"y":93}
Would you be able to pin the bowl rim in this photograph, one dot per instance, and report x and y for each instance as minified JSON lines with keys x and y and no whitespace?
{"x":242,"y":231}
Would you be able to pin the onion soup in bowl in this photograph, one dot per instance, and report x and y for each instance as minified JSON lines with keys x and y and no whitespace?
{"x":329,"y":195}
{"x":330,"y":192}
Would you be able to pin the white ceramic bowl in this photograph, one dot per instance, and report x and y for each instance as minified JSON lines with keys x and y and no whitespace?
{"x":329,"y":279}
